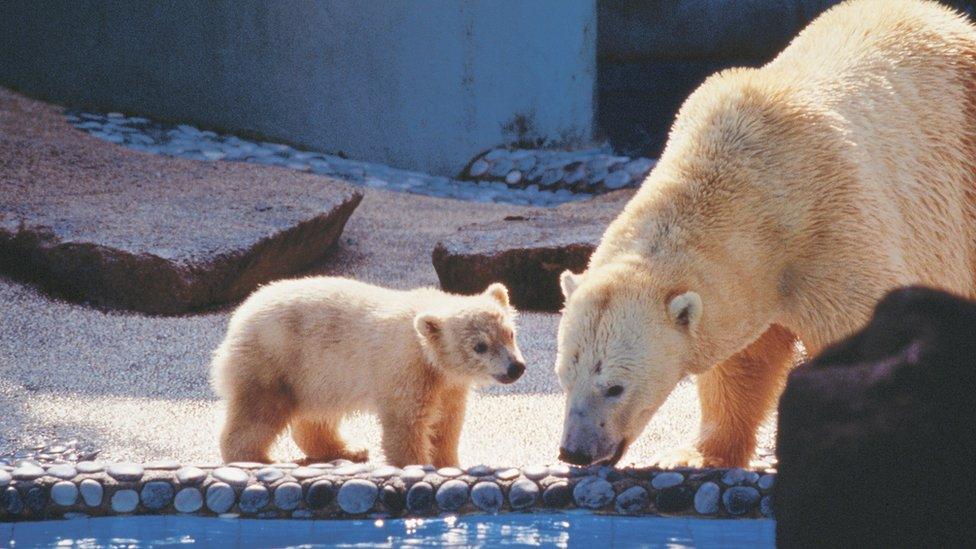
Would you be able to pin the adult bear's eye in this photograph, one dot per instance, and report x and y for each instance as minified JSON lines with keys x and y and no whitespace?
{"x":481,"y":347}
{"x":615,"y":391}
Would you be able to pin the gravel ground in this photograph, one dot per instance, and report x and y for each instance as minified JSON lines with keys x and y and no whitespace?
{"x":136,"y":386}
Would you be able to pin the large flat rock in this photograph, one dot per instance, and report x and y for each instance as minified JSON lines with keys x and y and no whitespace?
{"x":95,"y":222}
{"x":527,"y":252}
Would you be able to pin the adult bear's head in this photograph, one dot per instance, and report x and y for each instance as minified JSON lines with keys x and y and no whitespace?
{"x":629,"y":333}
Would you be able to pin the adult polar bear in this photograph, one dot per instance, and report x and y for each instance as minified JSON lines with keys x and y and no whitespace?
{"x":788,"y":200}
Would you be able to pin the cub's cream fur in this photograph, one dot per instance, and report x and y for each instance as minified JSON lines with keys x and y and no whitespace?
{"x":304,"y":353}
{"x":788,"y":200}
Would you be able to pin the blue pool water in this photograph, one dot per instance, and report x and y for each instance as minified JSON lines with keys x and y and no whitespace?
{"x":571,"y":529}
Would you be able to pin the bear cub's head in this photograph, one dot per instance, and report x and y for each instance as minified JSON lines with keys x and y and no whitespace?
{"x":473,"y":337}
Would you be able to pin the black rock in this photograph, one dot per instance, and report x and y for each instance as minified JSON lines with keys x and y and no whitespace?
{"x":10,"y":499}
{"x":557,"y":495}
{"x":36,"y":499}
{"x":876,"y":440}
{"x":420,"y":498}
{"x":674,"y":499}
{"x":394,"y":500}
{"x":320,"y":494}
{"x":740,"y":500}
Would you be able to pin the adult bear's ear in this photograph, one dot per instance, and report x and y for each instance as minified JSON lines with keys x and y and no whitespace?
{"x":499,"y":293}
{"x":569,"y":282}
{"x":686,"y":309}
{"x":428,"y":326}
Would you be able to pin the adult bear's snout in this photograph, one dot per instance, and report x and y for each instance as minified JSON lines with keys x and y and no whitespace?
{"x":574,"y":457}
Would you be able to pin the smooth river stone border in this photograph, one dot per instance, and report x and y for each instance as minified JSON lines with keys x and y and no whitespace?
{"x":345,"y":490}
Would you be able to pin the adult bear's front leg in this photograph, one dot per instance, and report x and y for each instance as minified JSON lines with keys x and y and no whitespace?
{"x":738,"y":394}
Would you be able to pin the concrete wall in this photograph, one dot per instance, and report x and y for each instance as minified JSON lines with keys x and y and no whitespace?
{"x":421,"y":84}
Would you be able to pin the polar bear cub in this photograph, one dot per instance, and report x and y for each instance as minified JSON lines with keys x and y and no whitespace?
{"x":304,"y":353}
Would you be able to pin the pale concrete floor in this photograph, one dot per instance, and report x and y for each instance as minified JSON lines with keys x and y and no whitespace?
{"x":136,"y":386}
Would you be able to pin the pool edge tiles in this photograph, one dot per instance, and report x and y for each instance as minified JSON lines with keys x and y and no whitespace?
{"x":341,"y":489}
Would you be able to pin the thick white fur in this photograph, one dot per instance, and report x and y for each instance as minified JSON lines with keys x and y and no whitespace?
{"x":790,"y":198}
{"x":304,"y":353}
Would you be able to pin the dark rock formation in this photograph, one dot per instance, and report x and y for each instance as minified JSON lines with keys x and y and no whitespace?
{"x":876,"y":438}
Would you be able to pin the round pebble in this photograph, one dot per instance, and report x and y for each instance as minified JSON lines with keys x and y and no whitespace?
{"x":357,"y":496}
{"x":351,"y":470}
{"x":766,"y":482}
{"x":479,"y":168}
{"x":557,"y":495}
{"x":302,"y":473}
{"x":320,"y":494}
{"x":559,"y":470}
{"x":269,"y":474}
{"x":449,"y":472}
{"x":231,"y":475}
{"x":487,"y":496}
{"x":766,"y":506}
{"x":156,"y":494}
{"x":12,"y":501}
{"x":386,"y":471}
{"x":190,"y":475}
{"x":667,"y":479}
{"x":126,"y":472}
{"x":36,"y":499}
{"x":91,"y":492}
{"x":420,"y":497}
{"x":188,"y":500}
{"x":706,"y":498}
{"x":254,"y":498}
{"x":523,"y":494}
{"x":413,"y":475}
{"x":535,"y":472}
{"x":632,"y":501}
{"x":220,"y":497}
{"x":163,"y":465}
{"x":287,"y":496}
{"x":125,"y":501}
{"x":593,"y":493}
{"x":394,"y":500}
{"x":63,"y":472}
{"x":88,"y":467}
{"x":27,"y":471}
{"x":507,"y":474}
{"x":64,"y":493}
{"x":616,"y":180}
{"x":452,"y":495}
{"x":674,"y":499}
{"x":5,"y":478}
{"x":480,"y":471}
{"x":734,"y":477}
{"x":740,"y":500}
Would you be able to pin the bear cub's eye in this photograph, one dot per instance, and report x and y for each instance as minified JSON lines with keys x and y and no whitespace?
{"x":481,"y":347}
{"x":615,"y":391}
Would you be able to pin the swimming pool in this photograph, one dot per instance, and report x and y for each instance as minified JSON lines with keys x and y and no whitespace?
{"x":565,"y":529}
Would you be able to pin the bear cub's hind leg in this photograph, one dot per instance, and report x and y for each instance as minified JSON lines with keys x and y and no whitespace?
{"x":254,"y":421}
{"x":320,"y":441}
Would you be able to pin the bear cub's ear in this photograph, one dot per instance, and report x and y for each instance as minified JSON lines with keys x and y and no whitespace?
{"x":428,"y":326}
{"x":685,"y":309}
{"x":499,"y":293}
{"x":569,"y":282}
